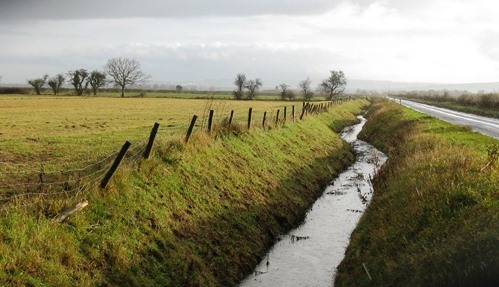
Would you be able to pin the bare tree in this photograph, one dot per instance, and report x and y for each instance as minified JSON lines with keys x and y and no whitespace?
{"x":125,"y":72}
{"x":240,"y":82}
{"x":79,"y":80}
{"x":334,"y":85}
{"x":56,"y":82}
{"x":97,"y":80}
{"x":38,"y":83}
{"x":253,"y":86}
{"x":284,"y":91}
{"x":305,"y":89}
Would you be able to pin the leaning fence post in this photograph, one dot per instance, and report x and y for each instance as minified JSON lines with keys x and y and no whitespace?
{"x":250,"y":111}
{"x":230,"y":117}
{"x":264,"y":117}
{"x":191,"y":127}
{"x":277,"y":117}
{"x":154,"y":131}
{"x":210,"y":121}
{"x":115,"y":165}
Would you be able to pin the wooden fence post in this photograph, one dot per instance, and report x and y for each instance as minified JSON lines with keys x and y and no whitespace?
{"x":277,"y":117}
{"x":230,"y":117}
{"x":293,"y":113}
{"x":284,"y":115}
{"x":264,"y":117}
{"x":210,"y":121}
{"x":191,"y":127}
{"x":115,"y":165}
{"x":250,"y":111}
{"x":150,"y":143}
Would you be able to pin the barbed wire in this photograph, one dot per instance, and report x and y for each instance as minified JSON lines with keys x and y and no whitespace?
{"x":57,"y":182}
{"x":98,"y":176}
{"x":32,"y":171}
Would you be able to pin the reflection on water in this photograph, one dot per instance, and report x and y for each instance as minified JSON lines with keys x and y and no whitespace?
{"x":309,"y":254}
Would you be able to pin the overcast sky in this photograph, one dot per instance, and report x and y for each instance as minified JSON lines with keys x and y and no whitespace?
{"x":209,"y":42}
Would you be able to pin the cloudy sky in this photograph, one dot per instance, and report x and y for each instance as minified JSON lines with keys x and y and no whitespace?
{"x":209,"y":42}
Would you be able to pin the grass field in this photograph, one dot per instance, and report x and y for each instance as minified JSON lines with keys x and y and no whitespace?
{"x":199,"y":214}
{"x":72,"y":131}
{"x":109,"y":93}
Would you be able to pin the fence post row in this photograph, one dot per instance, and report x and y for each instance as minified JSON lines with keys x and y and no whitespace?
{"x":115,"y":165}
{"x":152,"y":136}
{"x":307,"y":108}
{"x":191,"y":127}
{"x":210,"y":121}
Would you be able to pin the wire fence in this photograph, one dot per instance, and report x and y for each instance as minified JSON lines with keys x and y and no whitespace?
{"x":19,"y":182}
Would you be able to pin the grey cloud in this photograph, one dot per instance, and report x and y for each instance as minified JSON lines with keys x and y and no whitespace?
{"x":92,"y":9}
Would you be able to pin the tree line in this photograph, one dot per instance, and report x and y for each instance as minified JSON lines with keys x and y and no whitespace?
{"x":332,"y":86}
{"x":121,"y":72}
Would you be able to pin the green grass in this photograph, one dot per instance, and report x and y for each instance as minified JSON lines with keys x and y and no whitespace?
{"x":75,"y":131}
{"x":224,"y":95}
{"x":434,"y":218}
{"x":201,"y":214}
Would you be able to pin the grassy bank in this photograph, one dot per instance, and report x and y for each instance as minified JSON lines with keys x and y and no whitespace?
{"x":200,"y":214}
{"x":434,"y":218}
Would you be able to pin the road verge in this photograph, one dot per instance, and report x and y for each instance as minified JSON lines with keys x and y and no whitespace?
{"x":434,"y":217}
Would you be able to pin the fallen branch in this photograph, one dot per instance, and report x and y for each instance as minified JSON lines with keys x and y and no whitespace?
{"x":66,"y":213}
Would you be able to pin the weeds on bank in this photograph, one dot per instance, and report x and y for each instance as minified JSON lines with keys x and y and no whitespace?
{"x":433,"y":219}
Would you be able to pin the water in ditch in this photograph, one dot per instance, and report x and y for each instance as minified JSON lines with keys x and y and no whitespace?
{"x":309,"y":254}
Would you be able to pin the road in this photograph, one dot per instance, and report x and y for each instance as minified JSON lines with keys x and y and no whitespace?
{"x":484,"y":125}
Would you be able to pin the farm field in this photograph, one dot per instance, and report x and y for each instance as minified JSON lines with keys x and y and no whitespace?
{"x":179,"y":218}
{"x":70,"y":131}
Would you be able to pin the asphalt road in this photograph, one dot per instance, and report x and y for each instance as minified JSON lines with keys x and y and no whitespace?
{"x":484,"y":125}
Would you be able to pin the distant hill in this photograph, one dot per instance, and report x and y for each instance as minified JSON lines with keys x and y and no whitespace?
{"x":387,"y":86}
{"x":225,"y":84}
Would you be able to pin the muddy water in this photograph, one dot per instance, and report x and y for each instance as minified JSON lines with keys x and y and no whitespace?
{"x":309,"y":254}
